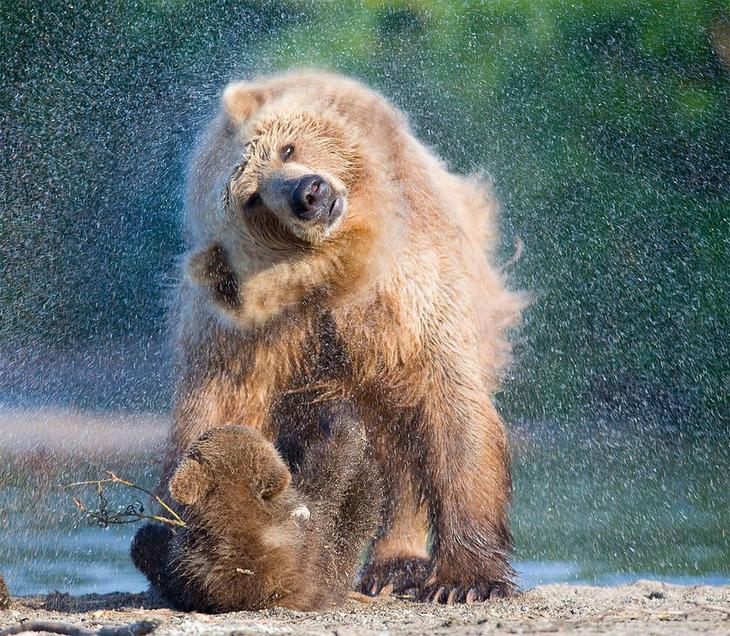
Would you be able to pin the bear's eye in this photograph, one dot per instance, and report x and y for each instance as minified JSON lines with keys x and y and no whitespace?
{"x":286,"y":152}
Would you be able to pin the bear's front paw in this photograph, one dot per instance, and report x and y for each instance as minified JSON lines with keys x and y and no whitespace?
{"x":397,"y":575}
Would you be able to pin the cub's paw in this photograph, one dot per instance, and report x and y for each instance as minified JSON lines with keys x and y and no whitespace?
{"x":150,"y":548}
{"x":397,"y":575}
{"x":434,"y":592}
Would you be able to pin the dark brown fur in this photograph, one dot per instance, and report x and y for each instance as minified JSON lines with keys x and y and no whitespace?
{"x":248,"y":544}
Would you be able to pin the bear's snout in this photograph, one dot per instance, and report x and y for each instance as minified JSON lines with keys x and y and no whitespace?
{"x":309,"y":196}
{"x":314,"y":197}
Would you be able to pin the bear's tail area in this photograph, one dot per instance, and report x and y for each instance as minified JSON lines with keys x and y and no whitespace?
{"x":150,"y":550}
{"x":477,"y":213}
{"x":499,"y":308}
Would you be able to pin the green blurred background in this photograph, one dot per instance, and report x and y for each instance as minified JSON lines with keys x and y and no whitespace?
{"x":605,"y":127}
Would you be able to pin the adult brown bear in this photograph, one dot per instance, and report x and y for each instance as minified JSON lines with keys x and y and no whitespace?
{"x":350,"y":263}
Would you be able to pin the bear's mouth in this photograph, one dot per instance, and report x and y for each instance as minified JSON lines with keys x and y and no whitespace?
{"x":335,"y":209}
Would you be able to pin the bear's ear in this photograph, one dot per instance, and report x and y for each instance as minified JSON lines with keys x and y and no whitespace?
{"x":190,"y":483}
{"x":273,"y":482}
{"x":198,"y":266}
{"x":241,"y":99}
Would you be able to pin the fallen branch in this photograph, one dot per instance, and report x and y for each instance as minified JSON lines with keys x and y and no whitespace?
{"x":131,"y":513}
{"x":69,"y":629}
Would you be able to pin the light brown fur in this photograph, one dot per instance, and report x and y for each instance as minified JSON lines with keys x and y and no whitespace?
{"x":398,"y":306}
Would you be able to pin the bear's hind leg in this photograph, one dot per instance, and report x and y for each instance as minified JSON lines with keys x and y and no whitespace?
{"x":330,"y":462}
{"x":398,"y":560}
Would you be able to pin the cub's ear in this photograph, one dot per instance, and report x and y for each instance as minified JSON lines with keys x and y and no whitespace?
{"x":274,"y":479}
{"x":241,"y":99}
{"x":190,"y":483}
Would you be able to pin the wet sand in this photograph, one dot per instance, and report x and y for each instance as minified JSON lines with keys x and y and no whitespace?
{"x":645,"y":607}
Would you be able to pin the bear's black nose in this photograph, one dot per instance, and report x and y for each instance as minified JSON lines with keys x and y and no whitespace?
{"x":309,"y":196}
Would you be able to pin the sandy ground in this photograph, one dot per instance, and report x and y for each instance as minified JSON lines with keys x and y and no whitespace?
{"x":645,"y":607}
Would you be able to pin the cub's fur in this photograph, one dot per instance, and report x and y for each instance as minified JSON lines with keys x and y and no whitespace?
{"x":255,"y":537}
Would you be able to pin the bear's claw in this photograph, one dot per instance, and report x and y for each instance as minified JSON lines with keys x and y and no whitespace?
{"x":398,"y":575}
{"x":446,"y":595}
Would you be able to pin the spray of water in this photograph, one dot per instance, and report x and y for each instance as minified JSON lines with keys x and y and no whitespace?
{"x":606,"y":132}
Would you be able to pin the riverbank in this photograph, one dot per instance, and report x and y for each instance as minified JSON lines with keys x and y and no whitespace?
{"x":645,"y":607}
{"x":632,"y":506}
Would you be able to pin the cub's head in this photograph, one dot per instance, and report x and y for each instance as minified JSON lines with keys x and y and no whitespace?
{"x":298,"y":170}
{"x":231,"y":471}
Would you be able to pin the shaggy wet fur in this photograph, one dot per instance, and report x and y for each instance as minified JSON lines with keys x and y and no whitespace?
{"x":254,"y":539}
{"x":397,"y":305}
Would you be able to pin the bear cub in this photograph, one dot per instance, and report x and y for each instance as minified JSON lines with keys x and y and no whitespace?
{"x":258,"y":537}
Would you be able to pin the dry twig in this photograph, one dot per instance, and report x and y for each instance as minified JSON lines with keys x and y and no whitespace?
{"x":131,"y":513}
